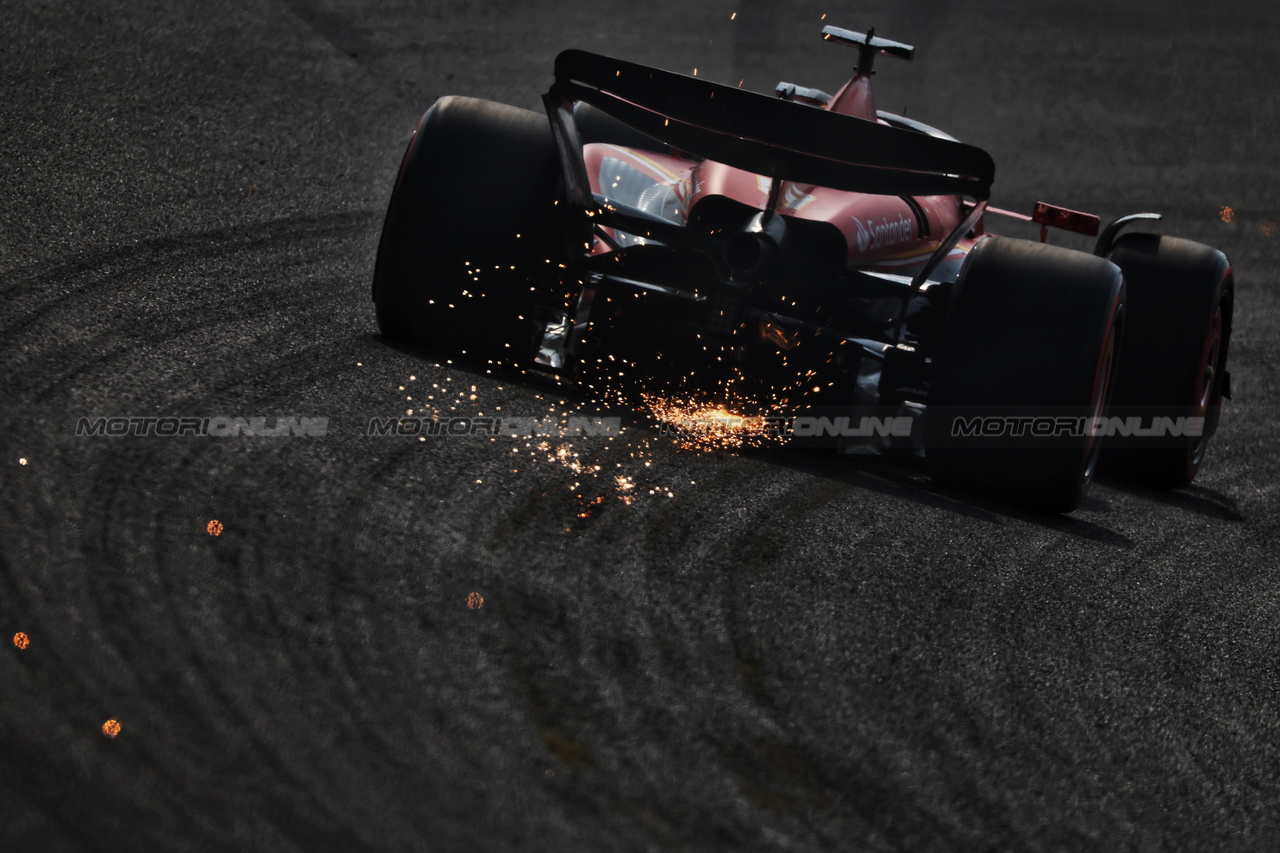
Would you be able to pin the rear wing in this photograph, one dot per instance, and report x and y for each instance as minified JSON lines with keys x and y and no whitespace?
{"x":759,"y":134}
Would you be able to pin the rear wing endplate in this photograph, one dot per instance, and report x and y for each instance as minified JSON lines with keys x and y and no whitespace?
{"x":768,"y":136}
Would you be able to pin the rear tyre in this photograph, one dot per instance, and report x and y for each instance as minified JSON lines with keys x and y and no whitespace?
{"x":596,"y":126}
{"x":1181,"y":296}
{"x":473,"y":239}
{"x":1032,"y":330}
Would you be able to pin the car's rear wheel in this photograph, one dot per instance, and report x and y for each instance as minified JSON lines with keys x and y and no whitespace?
{"x":473,"y":240}
{"x":1032,"y":331}
{"x":1181,"y":296}
{"x":595,"y":126}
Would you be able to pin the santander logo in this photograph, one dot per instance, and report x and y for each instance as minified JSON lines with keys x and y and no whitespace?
{"x":873,"y":236}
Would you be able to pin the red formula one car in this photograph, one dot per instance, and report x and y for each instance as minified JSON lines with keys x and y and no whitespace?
{"x":810,"y":259}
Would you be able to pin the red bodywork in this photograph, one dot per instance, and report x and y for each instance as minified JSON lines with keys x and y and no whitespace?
{"x":882,"y":233}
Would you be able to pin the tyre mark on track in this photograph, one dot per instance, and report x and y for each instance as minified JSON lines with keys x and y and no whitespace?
{"x":109,"y":267}
{"x":219,"y":714}
{"x":72,"y":362}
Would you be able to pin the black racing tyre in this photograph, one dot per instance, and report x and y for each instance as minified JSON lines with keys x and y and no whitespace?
{"x":598,"y":126}
{"x":1032,"y":329}
{"x":473,"y":239}
{"x":1174,"y":364}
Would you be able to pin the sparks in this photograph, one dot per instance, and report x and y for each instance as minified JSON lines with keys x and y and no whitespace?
{"x":708,"y":425}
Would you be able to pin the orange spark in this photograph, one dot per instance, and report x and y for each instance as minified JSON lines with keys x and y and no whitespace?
{"x":111,"y":728}
{"x":590,"y":508}
{"x":20,"y":640}
{"x":215,"y":528}
{"x":475,"y":601}
{"x":706,"y":424}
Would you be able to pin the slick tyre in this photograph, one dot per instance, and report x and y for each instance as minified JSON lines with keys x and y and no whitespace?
{"x":1174,"y":361}
{"x":473,"y":240}
{"x":597,"y":126}
{"x":1032,"y":329}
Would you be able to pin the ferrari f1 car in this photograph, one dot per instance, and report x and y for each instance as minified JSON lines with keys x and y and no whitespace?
{"x":811,"y":255}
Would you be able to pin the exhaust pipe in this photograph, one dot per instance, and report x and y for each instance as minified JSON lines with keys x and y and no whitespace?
{"x":752,"y":249}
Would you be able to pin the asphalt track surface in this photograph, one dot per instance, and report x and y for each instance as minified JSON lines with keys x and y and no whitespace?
{"x":764,"y":650}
